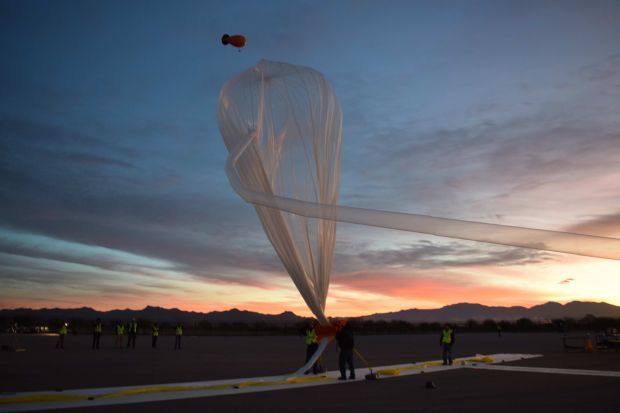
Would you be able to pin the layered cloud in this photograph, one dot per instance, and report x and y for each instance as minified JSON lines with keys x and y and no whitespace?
{"x":112,"y":188}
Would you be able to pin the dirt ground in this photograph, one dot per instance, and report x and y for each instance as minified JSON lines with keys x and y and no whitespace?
{"x":42,"y":367}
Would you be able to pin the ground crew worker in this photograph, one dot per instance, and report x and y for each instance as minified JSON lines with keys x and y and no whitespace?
{"x":120,"y":332}
{"x":178,"y":333}
{"x":132,"y":333}
{"x":312,"y":345}
{"x":98,"y":327}
{"x":345,"y":341}
{"x":154,"y":334}
{"x":446,"y":340}
{"x":62,"y":332}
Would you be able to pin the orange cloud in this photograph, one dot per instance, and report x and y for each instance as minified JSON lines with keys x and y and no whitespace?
{"x":397,"y":291}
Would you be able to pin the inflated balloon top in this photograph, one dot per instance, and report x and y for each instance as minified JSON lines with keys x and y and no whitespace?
{"x":290,"y":121}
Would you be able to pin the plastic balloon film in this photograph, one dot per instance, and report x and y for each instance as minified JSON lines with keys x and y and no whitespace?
{"x":282,"y":125}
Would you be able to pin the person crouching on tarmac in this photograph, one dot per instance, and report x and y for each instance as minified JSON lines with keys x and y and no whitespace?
{"x":446,"y":341}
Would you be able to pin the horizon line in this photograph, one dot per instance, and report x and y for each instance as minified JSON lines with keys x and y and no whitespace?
{"x":292,"y":312}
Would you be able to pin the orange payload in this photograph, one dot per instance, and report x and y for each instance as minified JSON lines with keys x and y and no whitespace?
{"x":236,"y":40}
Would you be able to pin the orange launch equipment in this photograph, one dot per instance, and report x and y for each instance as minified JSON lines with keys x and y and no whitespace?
{"x":328,"y":331}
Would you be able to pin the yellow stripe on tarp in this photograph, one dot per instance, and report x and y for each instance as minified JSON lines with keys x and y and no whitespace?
{"x":308,"y":379}
{"x":422,"y":366}
{"x":160,"y":389}
{"x":291,"y":380}
{"x":481,"y":359}
{"x":389,"y":372}
{"x":41,"y":398}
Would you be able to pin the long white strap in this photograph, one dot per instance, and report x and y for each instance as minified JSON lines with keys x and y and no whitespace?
{"x":540,"y":239}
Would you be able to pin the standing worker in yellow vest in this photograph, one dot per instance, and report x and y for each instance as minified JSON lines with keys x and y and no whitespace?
{"x":178,"y":333}
{"x":62,"y":332}
{"x":154,"y":334}
{"x":132,"y":333}
{"x":120,"y":332}
{"x":97,"y":328}
{"x":312,"y":345}
{"x":446,"y":341}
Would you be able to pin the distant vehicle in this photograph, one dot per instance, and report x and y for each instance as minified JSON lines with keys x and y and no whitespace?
{"x":610,"y":339}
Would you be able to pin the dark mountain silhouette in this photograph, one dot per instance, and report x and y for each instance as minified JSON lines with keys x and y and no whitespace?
{"x":466,"y":311}
{"x":158,"y":314}
{"x":236,"y":315}
{"x":574,"y":309}
{"x":449,"y":313}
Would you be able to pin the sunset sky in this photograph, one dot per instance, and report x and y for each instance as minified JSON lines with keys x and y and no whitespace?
{"x":112,"y":185}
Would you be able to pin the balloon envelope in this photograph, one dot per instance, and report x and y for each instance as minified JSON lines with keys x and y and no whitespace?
{"x":282,"y":125}
{"x":296,"y":121}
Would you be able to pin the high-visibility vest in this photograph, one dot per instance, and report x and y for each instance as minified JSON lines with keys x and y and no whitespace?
{"x":155,"y":331}
{"x":311,"y":336}
{"x":179,"y":331}
{"x":63,"y":330}
{"x":98,"y":328}
{"x":446,"y":336}
{"x":133,"y":327}
{"x":120,"y":329}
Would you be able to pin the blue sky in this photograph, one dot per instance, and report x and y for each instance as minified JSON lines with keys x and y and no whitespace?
{"x":112,"y":188}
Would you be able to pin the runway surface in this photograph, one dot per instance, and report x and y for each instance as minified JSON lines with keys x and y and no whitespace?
{"x":42,"y":367}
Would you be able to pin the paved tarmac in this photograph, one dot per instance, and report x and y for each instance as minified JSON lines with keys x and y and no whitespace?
{"x":42,"y":367}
